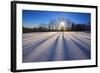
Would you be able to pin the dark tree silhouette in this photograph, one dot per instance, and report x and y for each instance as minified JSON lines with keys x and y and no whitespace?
{"x":53,"y":25}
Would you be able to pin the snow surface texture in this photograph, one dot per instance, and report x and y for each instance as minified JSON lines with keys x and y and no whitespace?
{"x":56,"y":46}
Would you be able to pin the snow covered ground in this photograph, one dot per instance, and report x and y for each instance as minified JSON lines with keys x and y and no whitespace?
{"x":56,"y":46}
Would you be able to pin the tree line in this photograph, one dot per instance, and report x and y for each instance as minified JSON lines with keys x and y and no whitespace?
{"x":53,"y":25}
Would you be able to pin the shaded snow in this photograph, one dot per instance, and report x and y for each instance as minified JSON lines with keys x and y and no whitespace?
{"x":56,"y":46}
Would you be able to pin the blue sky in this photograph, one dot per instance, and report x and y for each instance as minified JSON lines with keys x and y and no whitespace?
{"x":32,"y":18}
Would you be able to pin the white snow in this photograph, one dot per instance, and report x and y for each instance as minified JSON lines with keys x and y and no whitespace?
{"x":56,"y":46}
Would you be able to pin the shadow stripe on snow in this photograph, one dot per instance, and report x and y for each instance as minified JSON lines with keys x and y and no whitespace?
{"x":85,"y":37}
{"x":31,"y":37}
{"x":66,"y":53}
{"x":81,"y":40}
{"x":51,"y":52}
{"x":32,"y":43}
{"x":31,"y":48}
{"x":87,"y":51}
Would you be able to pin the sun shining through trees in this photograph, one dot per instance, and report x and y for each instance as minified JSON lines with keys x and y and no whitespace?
{"x":38,"y":21}
{"x":62,"y":25}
